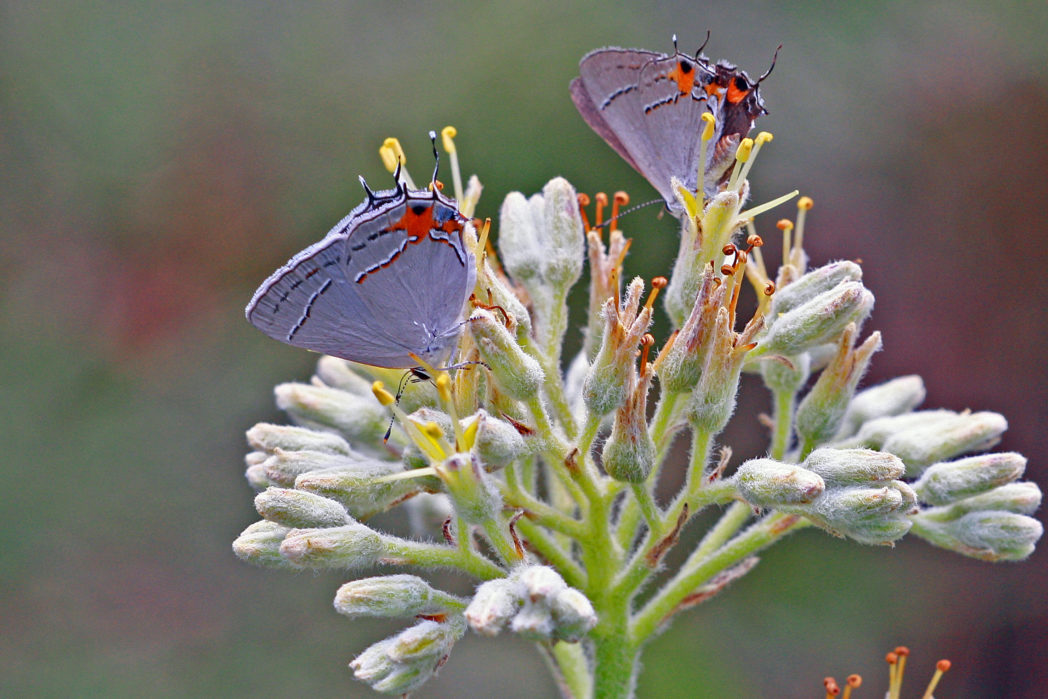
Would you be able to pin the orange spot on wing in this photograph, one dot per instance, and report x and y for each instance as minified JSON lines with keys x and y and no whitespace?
{"x":684,"y":77}
{"x":735,"y":95}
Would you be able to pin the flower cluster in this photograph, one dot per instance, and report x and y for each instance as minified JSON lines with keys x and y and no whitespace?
{"x":535,"y":478}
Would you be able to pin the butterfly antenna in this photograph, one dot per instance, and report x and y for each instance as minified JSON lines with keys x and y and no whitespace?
{"x":698,"y":51}
{"x":771,"y":67}
{"x":436,"y":160}
{"x":630,"y":210}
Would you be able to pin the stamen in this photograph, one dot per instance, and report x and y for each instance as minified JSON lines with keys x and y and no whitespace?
{"x":761,"y":208}
{"x":940,"y":668}
{"x":646,"y":343}
{"x":741,"y":156}
{"x":393,"y":154}
{"x":832,"y":689}
{"x":482,"y":243}
{"x":762,"y":138}
{"x":804,"y":205}
{"x":850,"y":683}
{"x":707,"y":136}
{"x":619,"y":199}
{"x":447,"y":137}
{"x":786,"y":226}
{"x":384,"y":397}
{"x":657,"y":285}
{"x":893,"y":690}
{"x":902,"y":652}
{"x":443,"y":384}
{"x":584,"y":201}
{"x":602,"y":201}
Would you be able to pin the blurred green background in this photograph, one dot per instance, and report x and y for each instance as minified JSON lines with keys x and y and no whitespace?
{"x":160,"y":159}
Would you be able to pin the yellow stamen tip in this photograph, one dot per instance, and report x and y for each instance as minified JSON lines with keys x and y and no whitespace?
{"x":764,"y":137}
{"x":384,"y":397}
{"x":745,"y":148}
{"x":805,"y":203}
{"x":444,"y":386}
{"x":469,"y":436}
{"x":447,"y":134}
{"x":392,"y":153}
{"x":711,"y":124}
{"x":432,"y":430}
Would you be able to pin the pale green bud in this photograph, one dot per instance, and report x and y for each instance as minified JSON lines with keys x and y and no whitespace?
{"x":361,"y":419}
{"x":820,"y":414}
{"x":551,"y":609}
{"x":629,"y":452}
{"x":402,"y":663}
{"x":867,"y":515}
{"x":338,"y":373}
{"x":875,"y":433}
{"x":783,"y":377}
{"x":843,"y":467}
{"x":987,"y":535}
{"x":567,"y":239}
{"x":494,"y":605}
{"x":394,"y":596}
{"x":681,"y":365}
{"x":608,"y":382}
{"x":814,"y":283}
{"x":922,"y":446}
{"x":259,"y":544}
{"x":1021,"y":498}
{"x":713,"y":400}
{"x":497,"y":443}
{"x":283,"y":467}
{"x":350,"y":546}
{"x":268,"y":438}
{"x":573,"y":615}
{"x":363,"y":492}
{"x":256,"y":471}
{"x":521,"y":247}
{"x":297,"y":508}
{"x":515,"y":373}
{"x":893,"y":397}
{"x":947,"y":482}
{"x":766,"y":483}
{"x":475,"y":495}
{"x":817,"y":321}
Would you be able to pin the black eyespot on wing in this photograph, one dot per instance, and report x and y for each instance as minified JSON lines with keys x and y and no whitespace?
{"x":686,"y":67}
{"x":741,"y":84}
{"x":419,"y":209}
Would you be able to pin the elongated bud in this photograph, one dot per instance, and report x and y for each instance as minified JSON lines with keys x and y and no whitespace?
{"x":402,"y":663}
{"x":814,"y":283}
{"x":521,"y":243}
{"x":338,"y":373}
{"x":820,"y":414}
{"x":876,"y":432}
{"x":844,"y":467}
{"x":476,"y":497}
{"x":1021,"y":498}
{"x":893,"y":397}
{"x":607,"y":383}
{"x":394,"y":596}
{"x":818,"y":320}
{"x":283,"y":467}
{"x":497,"y":442}
{"x":993,"y":535}
{"x":629,"y":452}
{"x":268,"y":438}
{"x":944,"y":483}
{"x":297,"y":508}
{"x":364,"y":493}
{"x":867,"y":515}
{"x":567,"y":239}
{"x":360,"y":419}
{"x":767,"y":483}
{"x":259,"y":545}
{"x":515,"y":373}
{"x":350,"y":546}
{"x":713,"y":400}
{"x":681,"y":364}
{"x":922,"y":446}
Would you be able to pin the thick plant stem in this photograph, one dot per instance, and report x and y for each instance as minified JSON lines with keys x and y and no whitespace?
{"x":615,"y":660}
{"x":573,"y":668}
{"x":783,"y":423}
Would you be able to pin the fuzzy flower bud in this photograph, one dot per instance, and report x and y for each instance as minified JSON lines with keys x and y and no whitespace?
{"x":893,"y":397}
{"x":283,"y":467}
{"x":867,"y":515}
{"x":402,"y":663}
{"x":363,"y":492}
{"x":535,"y":602}
{"x":350,"y":546}
{"x":845,"y":467}
{"x":922,"y":446}
{"x":820,"y":414}
{"x":394,"y":596}
{"x":681,"y":364}
{"x":767,"y":483}
{"x":515,"y":373}
{"x":944,"y":483}
{"x":607,"y":383}
{"x":360,"y":419}
{"x":339,"y":373}
{"x":713,"y":400}
{"x":629,"y":452}
{"x":475,"y":495}
{"x":1021,"y":498}
{"x":814,"y":283}
{"x":875,"y":433}
{"x":817,"y":321}
{"x":497,"y":442}
{"x":781,"y":377}
{"x":989,"y":535}
{"x":297,"y":508}
{"x":268,"y":438}
{"x":259,"y":544}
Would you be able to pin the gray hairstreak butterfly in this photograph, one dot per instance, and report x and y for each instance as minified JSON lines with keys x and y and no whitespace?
{"x":648,"y":106}
{"x":388,"y":282}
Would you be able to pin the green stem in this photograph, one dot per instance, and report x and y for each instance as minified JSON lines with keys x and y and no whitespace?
{"x":700,"y":455}
{"x":573,"y":668}
{"x":537,"y":510}
{"x":498,"y":534}
{"x":783,"y":423}
{"x":729,"y":523}
{"x":647,"y":505}
{"x":615,"y":658}
{"x":554,"y":385}
{"x":765,"y":532}
{"x":439,"y":556}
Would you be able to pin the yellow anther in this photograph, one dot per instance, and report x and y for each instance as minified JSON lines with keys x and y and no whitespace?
{"x":443,"y":383}
{"x":447,"y":135}
{"x":469,"y":435}
{"x":432,"y":430}
{"x":392,"y":154}
{"x":691,"y":205}
{"x":763,"y":137}
{"x":745,"y":148}
{"x":805,"y":203}
{"x":710,"y":124}
{"x":384,"y":397}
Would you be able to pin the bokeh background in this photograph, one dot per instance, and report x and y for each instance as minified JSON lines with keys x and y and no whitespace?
{"x":157,"y":161}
